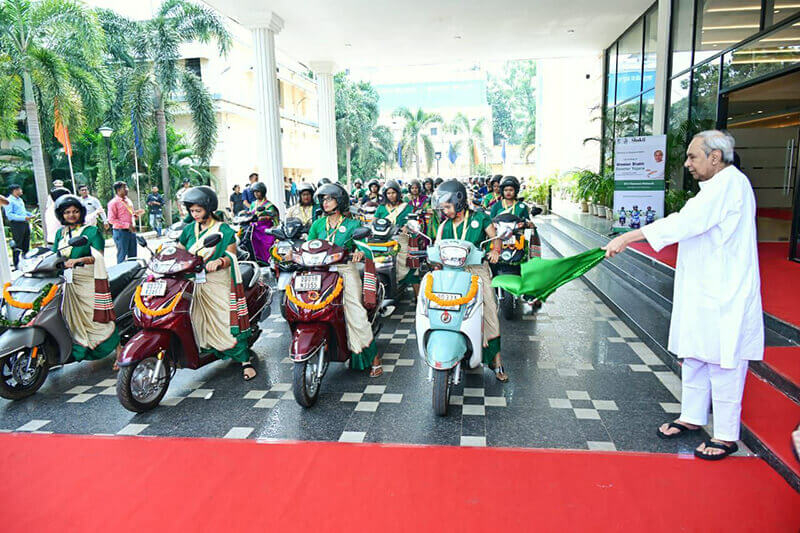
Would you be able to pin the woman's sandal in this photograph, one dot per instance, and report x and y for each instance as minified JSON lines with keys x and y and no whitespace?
{"x":376,"y":371}
{"x":248,"y":366}
{"x":675,"y":425}
{"x":500,"y":370}
{"x":727,"y":449}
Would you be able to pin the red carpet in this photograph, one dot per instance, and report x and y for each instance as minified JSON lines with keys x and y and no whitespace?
{"x":75,"y":483}
{"x":778,"y":274}
{"x":775,"y":212}
{"x":786,"y":361}
{"x":772,"y":417}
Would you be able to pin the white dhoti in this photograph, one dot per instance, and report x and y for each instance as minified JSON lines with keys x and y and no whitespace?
{"x":402,"y":256}
{"x":359,"y":331}
{"x":705,"y":384}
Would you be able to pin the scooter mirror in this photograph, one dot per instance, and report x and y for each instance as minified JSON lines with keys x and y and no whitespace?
{"x":535,"y":211}
{"x":142,"y":242}
{"x":361,"y":233}
{"x":212,"y":240}
{"x":80,"y":240}
{"x":178,"y":226}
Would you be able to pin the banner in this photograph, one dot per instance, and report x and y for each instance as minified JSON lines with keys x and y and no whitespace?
{"x":639,"y":164}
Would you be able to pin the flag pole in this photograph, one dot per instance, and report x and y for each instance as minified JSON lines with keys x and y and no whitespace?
{"x":71,"y":173}
{"x":138,"y":193}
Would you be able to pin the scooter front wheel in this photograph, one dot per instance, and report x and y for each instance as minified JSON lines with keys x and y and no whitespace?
{"x":507,"y":305}
{"x":307,"y":378}
{"x":441,"y":392}
{"x":22,"y":375}
{"x":142,"y":385}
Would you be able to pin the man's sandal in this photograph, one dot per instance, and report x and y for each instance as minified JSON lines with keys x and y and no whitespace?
{"x":376,"y":371}
{"x":248,"y":366}
{"x":727,"y":449}
{"x":675,"y":425}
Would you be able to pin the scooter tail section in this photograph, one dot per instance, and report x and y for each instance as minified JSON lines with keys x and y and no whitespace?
{"x":144,"y":344}
{"x":444,"y":349}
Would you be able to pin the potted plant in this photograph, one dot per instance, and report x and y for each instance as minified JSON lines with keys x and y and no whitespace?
{"x":588,"y":184}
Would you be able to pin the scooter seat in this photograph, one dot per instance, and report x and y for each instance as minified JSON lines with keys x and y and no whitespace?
{"x":248,"y":271}
{"x":120,"y":275}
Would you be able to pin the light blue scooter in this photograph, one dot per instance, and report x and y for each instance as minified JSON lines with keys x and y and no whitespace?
{"x":448,"y":333}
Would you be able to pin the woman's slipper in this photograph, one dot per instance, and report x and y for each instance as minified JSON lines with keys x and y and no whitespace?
{"x":245,"y":367}
{"x":727,"y":449}
{"x":676,"y":425}
{"x":796,"y":442}
{"x":376,"y":371}
{"x":500,"y":370}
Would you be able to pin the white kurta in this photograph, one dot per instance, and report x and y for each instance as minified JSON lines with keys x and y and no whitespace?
{"x":716,"y":305}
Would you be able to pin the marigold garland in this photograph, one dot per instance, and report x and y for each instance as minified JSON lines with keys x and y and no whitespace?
{"x":430,"y":295}
{"x":51,"y":289}
{"x":386,"y":244}
{"x":317,"y":306}
{"x":274,"y":254}
{"x":137,"y":299}
{"x":519,"y":244}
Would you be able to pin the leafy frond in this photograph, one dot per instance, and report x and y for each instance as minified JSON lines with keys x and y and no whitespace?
{"x":404,"y":113}
{"x":204,"y":118}
{"x":199,"y":23}
{"x":427,"y":145}
{"x":10,"y":104}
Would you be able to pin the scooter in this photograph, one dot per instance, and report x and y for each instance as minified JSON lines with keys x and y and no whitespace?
{"x":38,"y":337}
{"x":521,"y":244}
{"x":162,"y":309}
{"x":449,"y":316}
{"x":315,"y":313}
{"x":384,"y":252}
{"x":250,"y":225}
{"x":289,"y":236}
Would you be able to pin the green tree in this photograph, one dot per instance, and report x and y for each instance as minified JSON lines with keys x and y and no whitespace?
{"x":357,"y":130}
{"x":158,"y":79}
{"x":413,"y":134}
{"x":471,"y":138}
{"x":51,"y":50}
{"x":512,"y":96}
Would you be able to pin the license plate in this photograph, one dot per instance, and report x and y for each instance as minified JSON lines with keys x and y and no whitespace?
{"x":445,"y":296}
{"x":154,"y":288}
{"x":308,"y":283}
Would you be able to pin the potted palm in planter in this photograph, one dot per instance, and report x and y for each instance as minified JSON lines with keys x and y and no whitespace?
{"x":588,"y":184}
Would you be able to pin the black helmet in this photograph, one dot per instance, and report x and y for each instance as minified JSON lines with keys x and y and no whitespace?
{"x":415,"y":183}
{"x":495,"y":179}
{"x":205,"y":197}
{"x":58,"y":192}
{"x":372,"y":182}
{"x":510,"y":181}
{"x":323,"y":181}
{"x":437,"y":182}
{"x":427,"y":181}
{"x":336,"y":191}
{"x":452,"y":192}
{"x":69,"y":200}
{"x":256,"y":187}
{"x":392,"y":184}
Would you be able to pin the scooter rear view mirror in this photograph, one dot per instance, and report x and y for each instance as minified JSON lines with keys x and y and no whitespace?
{"x":80,"y":240}
{"x":142,"y":242}
{"x":535,"y":211}
{"x":212,"y":240}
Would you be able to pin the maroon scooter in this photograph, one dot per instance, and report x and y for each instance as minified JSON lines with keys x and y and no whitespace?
{"x":166,"y":341}
{"x":315,"y":313}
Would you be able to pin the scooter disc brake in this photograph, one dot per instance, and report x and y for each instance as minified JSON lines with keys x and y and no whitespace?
{"x":24,"y":372}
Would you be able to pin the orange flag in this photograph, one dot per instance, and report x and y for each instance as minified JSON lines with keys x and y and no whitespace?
{"x":61,"y":133}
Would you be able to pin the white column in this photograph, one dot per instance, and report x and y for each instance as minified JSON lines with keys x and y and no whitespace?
{"x":5,"y":264}
{"x":662,"y":63}
{"x":326,"y":104}
{"x":268,"y":143}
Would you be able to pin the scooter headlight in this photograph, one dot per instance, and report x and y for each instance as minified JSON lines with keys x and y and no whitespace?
{"x":333,"y":258}
{"x":453,"y":256}
{"x":313,"y":259}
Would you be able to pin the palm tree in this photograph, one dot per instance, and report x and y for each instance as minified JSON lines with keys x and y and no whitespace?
{"x":158,"y":79}
{"x":382,"y":142}
{"x":528,"y":144}
{"x":413,"y":133}
{"x":52,"y":50}
{"x":472,"y":138}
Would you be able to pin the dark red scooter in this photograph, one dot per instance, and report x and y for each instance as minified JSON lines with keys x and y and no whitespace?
{"x":166,"y":340}
{"x":315,"y":313}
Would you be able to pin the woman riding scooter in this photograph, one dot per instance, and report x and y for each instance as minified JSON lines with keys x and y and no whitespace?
{"x":475,"y":227}
{"x":373,"y":191}
{"x":495,"y":193}
{"x":87,"y":305}
{"x":416,"y":195}
{"x":396,"y":211}
{"x":268,"y":217}
{"x":428,"y":187}
{"x":337,"y":229}
{"x":304,"y":208}
{"x":215,"y":328}
{"x":509,"y":189}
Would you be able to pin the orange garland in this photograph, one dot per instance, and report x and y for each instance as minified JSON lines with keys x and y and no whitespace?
{"x":317,"y":306}
{"x":384,"y":244}
{"x":430,"y":295}
{"x":28,"y":305}
{"x":274,"y":254}
{"x":137,"y":299}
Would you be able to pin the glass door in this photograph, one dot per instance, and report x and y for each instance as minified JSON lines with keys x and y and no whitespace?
{"x":793,"y":187}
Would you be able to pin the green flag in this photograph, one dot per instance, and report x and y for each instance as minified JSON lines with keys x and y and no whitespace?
{"x":539,"y":278}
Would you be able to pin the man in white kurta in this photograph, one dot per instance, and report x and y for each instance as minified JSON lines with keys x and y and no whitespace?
{"x":717,"y":321}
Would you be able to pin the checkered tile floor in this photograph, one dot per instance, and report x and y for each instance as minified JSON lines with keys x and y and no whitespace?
{"x":579,"y":378}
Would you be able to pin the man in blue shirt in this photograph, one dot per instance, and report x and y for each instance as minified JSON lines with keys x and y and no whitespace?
{"x":18,"y":218}
{"x":155,"y":202}
{"x":248,"y":195}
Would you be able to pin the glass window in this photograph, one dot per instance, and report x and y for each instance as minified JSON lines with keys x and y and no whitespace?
{"x":773,"y":52}
{"x":682,"y":23}
{"x":193,"y":65}
{"x":648,"y":101}
{"x":434,"y":132}
{"x":629,"y":63}
{"x":611,"y":69}
{"x":784,"y":9}
{"x":650,"y":45}
{"x":608,"y":138}
{"x":705,"y":92}
{"x":627,"y":119}
{"x":722,"y":23}
{"x":677,"y":126}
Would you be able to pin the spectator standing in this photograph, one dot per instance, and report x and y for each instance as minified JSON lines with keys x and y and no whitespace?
{"x":19,"y":222}
{"x":248,"y":195}
{"x":94,"y":209}
{"x":121,"y":214}
{"x":155,"y":203}
{"x":292,"y":192}
{"x":287,"y":189}
{"x":237,"y":200}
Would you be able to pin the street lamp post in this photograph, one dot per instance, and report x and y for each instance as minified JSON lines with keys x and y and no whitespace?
{"x":106,"y":132}
{"x":438,"y":156}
